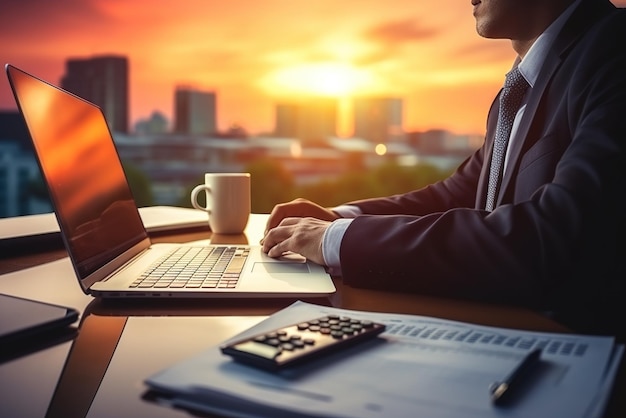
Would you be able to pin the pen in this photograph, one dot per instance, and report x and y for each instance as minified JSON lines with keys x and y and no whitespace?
{"x":501,"y":392}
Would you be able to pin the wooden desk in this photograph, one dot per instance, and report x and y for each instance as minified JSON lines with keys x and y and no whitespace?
{"x":100,"y":371}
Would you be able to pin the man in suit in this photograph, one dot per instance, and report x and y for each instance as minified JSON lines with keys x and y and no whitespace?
{"x":552,"y":239}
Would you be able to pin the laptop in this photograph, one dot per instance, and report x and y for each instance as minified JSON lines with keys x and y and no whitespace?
{"x":102,"y":230}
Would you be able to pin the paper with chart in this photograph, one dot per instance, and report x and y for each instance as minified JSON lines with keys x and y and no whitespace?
{"x":420,"y":366}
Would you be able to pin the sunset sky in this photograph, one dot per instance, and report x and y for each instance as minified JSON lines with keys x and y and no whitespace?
{"x":255,"y":53}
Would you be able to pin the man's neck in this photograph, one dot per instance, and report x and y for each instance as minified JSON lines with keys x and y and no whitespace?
{"x":522,"y":47}
{"x":541,"y":23}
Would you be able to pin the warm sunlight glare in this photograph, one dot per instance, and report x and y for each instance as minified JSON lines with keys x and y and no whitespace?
{"x":328,"y":79}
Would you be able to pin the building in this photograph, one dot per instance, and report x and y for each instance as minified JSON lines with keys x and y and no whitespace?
{"x":379,"y":119}
{"x":22,"y":191}
{"x":155,"y":124}
{"x":312,"y":121}
{"x":102,"y":80}
{"x":195,"y":112}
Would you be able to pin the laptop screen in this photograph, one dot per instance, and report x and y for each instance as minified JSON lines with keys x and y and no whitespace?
{"x":87,"y":184}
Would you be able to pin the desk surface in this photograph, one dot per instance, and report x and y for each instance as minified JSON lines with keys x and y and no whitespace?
{"x":99,"y":371}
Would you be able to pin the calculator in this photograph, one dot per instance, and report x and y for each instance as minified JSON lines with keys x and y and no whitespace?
{"x":298,"y":343}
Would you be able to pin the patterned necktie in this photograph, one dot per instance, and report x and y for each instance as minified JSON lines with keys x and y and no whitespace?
{"x":510,"y":99}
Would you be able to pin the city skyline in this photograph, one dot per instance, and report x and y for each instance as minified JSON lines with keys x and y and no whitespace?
{"x":254,"y":55}
{"x":103,"y":80}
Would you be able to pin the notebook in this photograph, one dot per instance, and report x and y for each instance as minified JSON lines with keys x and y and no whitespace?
{"x":100,"y":224}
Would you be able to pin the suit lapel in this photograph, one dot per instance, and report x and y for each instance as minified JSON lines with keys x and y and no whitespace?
{"x":582,"y":18}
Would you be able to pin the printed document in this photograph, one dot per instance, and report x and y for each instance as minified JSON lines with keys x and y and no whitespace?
{"x":420,"y":366}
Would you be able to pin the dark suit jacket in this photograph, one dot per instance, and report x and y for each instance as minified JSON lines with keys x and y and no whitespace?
{"x":555,"y":241}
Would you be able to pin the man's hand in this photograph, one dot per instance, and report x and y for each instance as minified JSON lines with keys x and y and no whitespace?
{"x":300,"y":235}
{"x":299,"y":208}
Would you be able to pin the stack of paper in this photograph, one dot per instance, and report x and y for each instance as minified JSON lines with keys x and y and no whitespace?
{"x":422,"y":367}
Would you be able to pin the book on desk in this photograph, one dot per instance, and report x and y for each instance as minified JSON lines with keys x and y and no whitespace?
{"x":425,"y":367}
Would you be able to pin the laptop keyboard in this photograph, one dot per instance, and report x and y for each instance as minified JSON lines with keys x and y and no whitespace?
{"x":196,"y":267}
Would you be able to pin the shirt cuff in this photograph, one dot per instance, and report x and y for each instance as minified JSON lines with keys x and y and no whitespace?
{"x":331,"y":244}
{"x":347,"y":211}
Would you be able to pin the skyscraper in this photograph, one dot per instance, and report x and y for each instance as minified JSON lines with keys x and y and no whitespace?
{"x":378,"y":119}
{"x":311,"y":121}
{"x":195,"y":111}
{"x":102,"y":80}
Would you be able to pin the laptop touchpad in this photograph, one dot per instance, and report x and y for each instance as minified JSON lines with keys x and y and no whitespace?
{"x":280,"y":267}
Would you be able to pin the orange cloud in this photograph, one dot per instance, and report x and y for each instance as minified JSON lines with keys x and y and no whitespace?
{"x":399,"y":32}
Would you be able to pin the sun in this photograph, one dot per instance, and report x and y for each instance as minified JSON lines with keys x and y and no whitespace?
{"x":317,"y":79}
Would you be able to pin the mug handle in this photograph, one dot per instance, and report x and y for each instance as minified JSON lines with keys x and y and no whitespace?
{"x":194,"y":196}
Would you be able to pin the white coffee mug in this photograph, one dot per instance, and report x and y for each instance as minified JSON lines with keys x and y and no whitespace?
{"x":227,"y":201}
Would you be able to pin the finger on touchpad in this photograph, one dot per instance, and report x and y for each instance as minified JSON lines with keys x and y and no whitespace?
{"x":293,"y":257}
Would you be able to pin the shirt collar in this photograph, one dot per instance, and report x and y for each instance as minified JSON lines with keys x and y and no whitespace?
{"x":534,"y":59}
